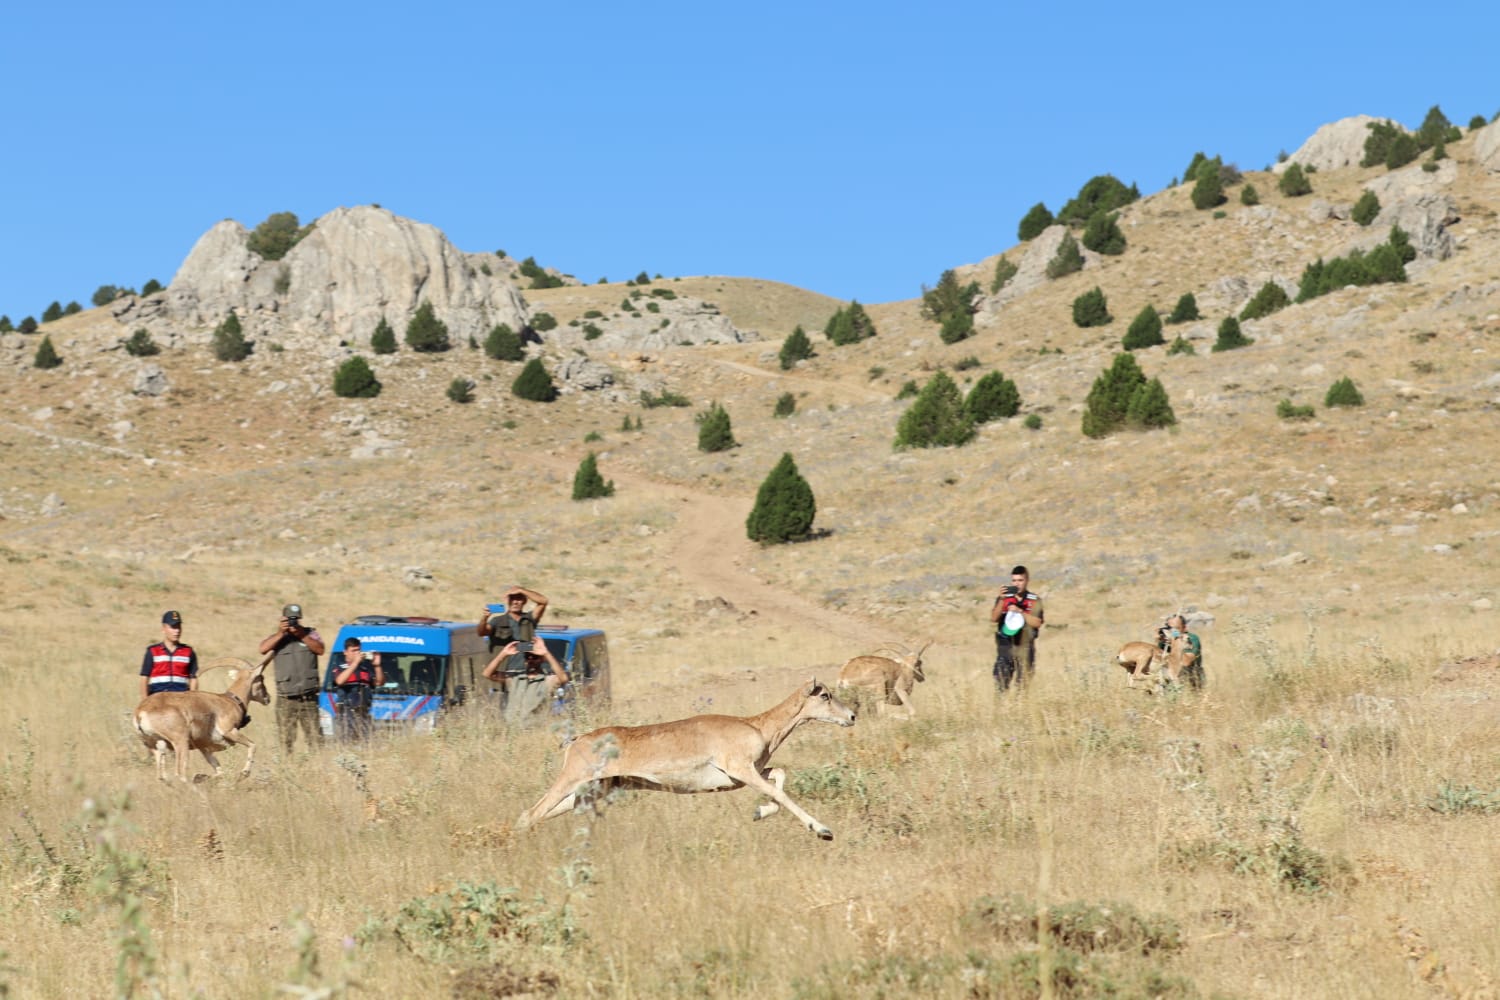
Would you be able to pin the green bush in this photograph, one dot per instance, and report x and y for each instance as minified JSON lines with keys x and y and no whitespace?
{"x":1034,"y":222}
{"x":425,"y":332}
{"x":355,"y":380}
{"x":993,"y":397}
{"x":151,"y":287}
{"x":937,"y":417}
{"x":1145,"y":330}
{"x":229,"y":340}
{"x":28,"y":325}
{"x":46,"y":356}
{"x":1249,"y":196}
{"x":1404,"y":149}
{"x":1033,"y":422}
{"x":909,"y":390}
{"x":664,"y":398}
{"x":951,"y":306}
{"x":105,"y":294}
{"x":714,"y":430}
{"x":1180,"y":345}
{"x":1294,"y":182}
{"x":140,"y":344}
{"x":1366,"y":209}
{"x":539,"y":277}
{"x":784,"y":506}
{"x":1108,"y":401}
{"x":383,"y":340}
{"x":542,"y":322}
{"x":965,"y":363}
{"x":1103,"y":193}
{"x":786,"y":405}
{"x":1378,"y":143}
{"x":849,"y":325}
{"x":1149,"y":408}
{"x":1384,"y":263}
{"x":1103,"y":235}
{"x":1269,"y":299}
{"x":503,"y":344}
{"x":1091,"y":309}
{"x":274,"y":237}
{"x":52,"y":313}
{"x":1287,"y":410}
{"x":1067,"y":259}
{"x":1208,"y":190}
{"x":1343,"y":393}
{"x":1476,"y":123}
{"x":588,"y":484}
{"x":5,"y":325}
{"x":1004,"y":271}
{"x":534,"y":383}
{"x":641,"y":279}
{"x":1230,"y":336}
{"x":461,"y":390}
{"x":1434,"y":128}
{"x":592,"y":331}
{"x":796,"y":347}
{"x":1186,"y":310}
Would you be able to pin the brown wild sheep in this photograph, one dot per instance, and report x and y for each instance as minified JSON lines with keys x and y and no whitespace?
{"x":890,"y":678}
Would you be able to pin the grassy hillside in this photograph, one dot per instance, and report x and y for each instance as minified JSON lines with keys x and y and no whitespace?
{"x":1310,"y":826}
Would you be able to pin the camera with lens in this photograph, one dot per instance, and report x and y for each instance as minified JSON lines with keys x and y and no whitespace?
{"x":525,"y":645}
{"x":293,"y":622}
{"x":1010,"y":592}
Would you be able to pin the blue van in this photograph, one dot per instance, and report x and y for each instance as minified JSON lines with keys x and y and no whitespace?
{"x":432,"y":665}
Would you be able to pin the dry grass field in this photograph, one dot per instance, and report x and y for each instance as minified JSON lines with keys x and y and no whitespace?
{"x":1320,"y":822}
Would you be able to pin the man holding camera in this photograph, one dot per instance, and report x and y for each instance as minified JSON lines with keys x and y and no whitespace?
{"x":517,"y":623}
{"x":357,"y":679}
{"x":529,"y":673}
{"x":297,"y":649}
{"x":1017,"y":615}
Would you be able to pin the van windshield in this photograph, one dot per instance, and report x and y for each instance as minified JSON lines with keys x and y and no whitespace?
{"x":405,"y":673}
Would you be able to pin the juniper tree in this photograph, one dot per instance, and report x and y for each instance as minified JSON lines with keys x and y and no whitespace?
{"x":1102,"y":193}
{"x":1249,"y":196}
{"x":1230,"y":336}
{"x":534,"y":383}
{"x":714,"y":430}
{"x":425,"y":332}
{"x":140,"y":344}
{"x":1344,"y":393}
{"x":951,"y":306}
{"x":1208,"y":190}
{"x":936,"y":418}
{"x":1004,"y":271}
{"x":994,"y":396}
{"x":1186,"y":309}
{"x":383,"y":340}
{"x":52,"y":312}
{"x":588,"y":484}
{"x":796,"y":347}
{"x":461,"y":390}
{"x":786,"y":405}
{"x":1149,"y":407}
{"x":784,"y":506}
{"x":1067,"y":259}
{"x":151,"y":287}
{"x":1103,"y":235}
{"x":274,"y":237}
{"x":1034,"y":222}
{"x":502,"y":344}
{"x":1366,"y":208}
{"x":229,"y":340}
{"x":46,"y":356}
{"x":849,"y":325}
{"x":1145,"y":330}
{"x":1294,"y":182}
{"x":1269,"y":299}
{"x":355,"y":380}
{"x":1108,"y":401}
{"x":1091,"y":309}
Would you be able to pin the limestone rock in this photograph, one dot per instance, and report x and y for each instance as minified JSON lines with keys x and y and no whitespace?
{"x":1337,"y":144}
{"x":1425,"y":217}
{"x":1487,"y":147}
{"x":583,"y":374}
{"x":355,"y":266}
{"x":150,"y":381}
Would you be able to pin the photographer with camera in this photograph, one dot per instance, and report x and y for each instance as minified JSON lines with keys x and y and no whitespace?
{"x":516,"y":622}
{"x":297,"y":648}
{"x":356,"y":679}
{"x":529,"y":674}
{"x":1018,"y":618}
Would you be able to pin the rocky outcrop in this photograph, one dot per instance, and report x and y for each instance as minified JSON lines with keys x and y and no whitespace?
{"x":1337,"y":144}
{"x":677,"y":322}
{"x":1031,"y":269}
{"x":355,"y":266}
{"x":1487,"y":147}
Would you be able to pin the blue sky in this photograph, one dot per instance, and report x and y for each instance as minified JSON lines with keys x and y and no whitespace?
{"x":852,"y":149}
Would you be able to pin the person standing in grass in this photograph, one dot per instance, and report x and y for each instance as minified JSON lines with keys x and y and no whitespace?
{"x":169,"y":665}
{"x":1192,"y":652}
{"x":357,"y":680}
{"x":297,"y":648}
{"x":1018,"y":617}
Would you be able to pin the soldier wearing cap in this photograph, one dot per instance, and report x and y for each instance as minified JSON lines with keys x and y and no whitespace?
{"x":169,"y":665}
{"x":1017,"y":614}
{"x":297,"y":648}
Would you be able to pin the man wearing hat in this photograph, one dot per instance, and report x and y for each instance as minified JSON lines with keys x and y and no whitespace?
{"x":1017,"y":614}
{"x":517,"y":623}
{"x":169,"y":665}
{"x":297,"y":648}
